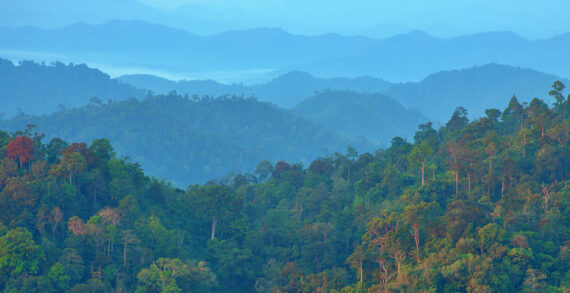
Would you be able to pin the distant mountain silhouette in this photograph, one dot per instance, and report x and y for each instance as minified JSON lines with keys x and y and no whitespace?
{"x":405,"y":57}
{"x":40,"y":89}
{"x":476,"y":89}
{"x":414,"y":55}
{"x":286,"y":90}
{"x":160,"y":47}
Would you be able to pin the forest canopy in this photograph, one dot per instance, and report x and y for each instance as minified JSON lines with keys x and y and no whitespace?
{"x":480,"y":206}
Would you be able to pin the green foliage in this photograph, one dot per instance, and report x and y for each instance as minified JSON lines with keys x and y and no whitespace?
{"x":162,"y":276}
{"x":19,"y":254}
{"x":347,"y":223}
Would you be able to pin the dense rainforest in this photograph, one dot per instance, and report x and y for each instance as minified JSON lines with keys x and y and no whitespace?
{"x":359,"y":115}
{"x":480,"y":206}
{"x":190,"y":140}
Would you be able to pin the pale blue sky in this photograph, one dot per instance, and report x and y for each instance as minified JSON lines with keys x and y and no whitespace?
{"x":376,"y":18}
{"x":531,"y":18}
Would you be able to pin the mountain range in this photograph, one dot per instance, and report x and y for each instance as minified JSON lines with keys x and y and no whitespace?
{"x":209,"y":137}
{"x":263,"y":53}
{"x":435,"y":97}
{"x":36,"y":88}
{"x":476,"y":89}
{"x":286,"y":90}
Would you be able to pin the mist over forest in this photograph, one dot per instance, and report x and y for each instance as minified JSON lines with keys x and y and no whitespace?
{"x":234,"y":146}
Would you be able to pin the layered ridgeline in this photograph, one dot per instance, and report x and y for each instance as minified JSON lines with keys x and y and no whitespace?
{"x":42,"y":89}
{"x":476,"y":88}
{"x":193,"y":140}
{"x":269,"y":49}
{"x":436,"y":96}
{"x":470,"y":207}
{"x":39,"y":89}
{"x":286,"y":90}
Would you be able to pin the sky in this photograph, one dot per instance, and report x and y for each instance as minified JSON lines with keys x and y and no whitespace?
{"x":445,"y":18}
{"x":374,"y":18}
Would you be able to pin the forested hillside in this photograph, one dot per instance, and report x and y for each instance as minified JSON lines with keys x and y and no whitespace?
{"x":373,"y":116}
{"x":43,"y":89}
{"x":191,"y":140}
{"x":481,"y":206}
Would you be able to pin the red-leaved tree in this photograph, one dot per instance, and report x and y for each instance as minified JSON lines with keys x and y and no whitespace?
{"x":21,"y":149}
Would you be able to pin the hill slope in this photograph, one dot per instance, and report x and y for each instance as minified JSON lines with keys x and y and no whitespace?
{"x":492,"y":215}
{"x":373,"y":116}
{"x":40,"y":89}
{"x":476,"y":89}
{"x":191,"y":141}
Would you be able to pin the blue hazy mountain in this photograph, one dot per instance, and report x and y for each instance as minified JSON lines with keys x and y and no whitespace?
{"x":372,"y":18}
{"x":232,"y":55}
{"x":476,"y":89}
{"x":164,"y":48}
{"x":36,"y":88}
{"x":414,"y":55}
{"x":286,"y":90}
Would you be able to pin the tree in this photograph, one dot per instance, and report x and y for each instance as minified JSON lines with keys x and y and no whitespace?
{"x":419,"y":155}
{"x":128,"y":238}
{"x":55,"y":217}
{"x":556,"y":92}
{"x":95,"y":229}
{"x":216,"y":201}
{"x":55,"y":149}
{"x":102,"y":149}
{"x":534,"y":279}
{"x":73,"y":263}
{"x":492,"y":143}
{"x":19,"y":254}
{"x":21,"y":149}
{"x":8,"y":169}
{"x":513,"y":116}
{"x":539,"y":114}
{"x":489,"y":235}
{"x":58,"y":277}
{"x":425,"y":132}
{"x":417,"y":216}
{"x":458,"y":120}
{"x":454,"y":150}
{"x":356,"y":260}
{"x":384,"y":241}
{"x":76,"y":226}
{"x":264,"y":168}
{"x":19,"y":194}
{"x":493,"y":115}
{"x":73,"y":163}
{"x":280,"y":167}
{"x":162,"y":275}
